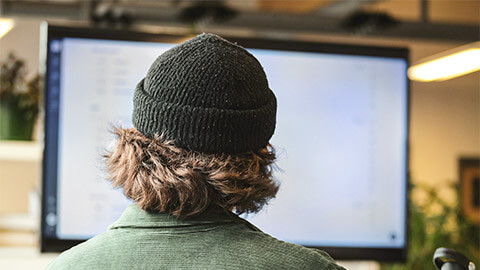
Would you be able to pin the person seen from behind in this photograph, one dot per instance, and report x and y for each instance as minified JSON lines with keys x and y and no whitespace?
{"x":197,"y":157}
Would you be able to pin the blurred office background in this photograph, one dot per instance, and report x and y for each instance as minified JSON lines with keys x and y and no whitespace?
{"x":444,"y":119}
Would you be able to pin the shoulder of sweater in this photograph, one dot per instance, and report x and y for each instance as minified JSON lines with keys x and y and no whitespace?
{"x":305,"y":258}
{"x":75,"y":257}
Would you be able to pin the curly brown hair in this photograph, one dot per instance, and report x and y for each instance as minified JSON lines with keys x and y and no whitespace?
{"x":161,"y":177}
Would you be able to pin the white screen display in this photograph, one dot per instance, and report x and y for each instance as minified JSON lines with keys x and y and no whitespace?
{"x":340,"y":139}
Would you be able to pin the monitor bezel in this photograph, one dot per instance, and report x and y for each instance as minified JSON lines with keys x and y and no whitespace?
{"x":50,"y":32}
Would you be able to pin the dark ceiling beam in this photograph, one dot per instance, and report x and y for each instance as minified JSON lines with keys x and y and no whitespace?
{"x":424,"y":5}
{"x":341,"y":8}
{"x":247,"y":20}
{"x":320,"y":24}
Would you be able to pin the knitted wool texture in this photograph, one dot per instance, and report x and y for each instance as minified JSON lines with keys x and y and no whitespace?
{"x":208,"y":95}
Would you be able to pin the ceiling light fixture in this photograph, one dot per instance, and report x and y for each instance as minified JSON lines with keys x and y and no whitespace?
{"x":447,"y":65}
{"x":5,"y":26}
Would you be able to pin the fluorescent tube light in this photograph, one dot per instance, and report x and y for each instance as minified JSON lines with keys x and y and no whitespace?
{"x":5,"y":26}
{"x":447,"y":65}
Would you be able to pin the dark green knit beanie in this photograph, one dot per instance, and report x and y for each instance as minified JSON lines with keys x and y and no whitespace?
{"x":208,"y":95}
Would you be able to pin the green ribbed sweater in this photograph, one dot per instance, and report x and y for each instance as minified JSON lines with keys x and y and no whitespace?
{"x":142,"y":240}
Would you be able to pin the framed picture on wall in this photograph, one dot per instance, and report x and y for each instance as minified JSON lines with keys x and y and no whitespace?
{"x":469,"y":170}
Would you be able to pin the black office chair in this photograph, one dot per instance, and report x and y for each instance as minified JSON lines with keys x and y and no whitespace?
{"x":449,"y":259}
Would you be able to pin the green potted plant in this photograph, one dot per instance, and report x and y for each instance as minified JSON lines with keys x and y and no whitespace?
{"x":19,"y":99}
{"x":436,"y":223}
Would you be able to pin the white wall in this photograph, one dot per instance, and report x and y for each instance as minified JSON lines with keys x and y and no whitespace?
{"x":445,"y":126}
{"x":24,"y":41}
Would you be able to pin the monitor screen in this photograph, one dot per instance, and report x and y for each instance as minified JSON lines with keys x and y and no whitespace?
{"x":341,"y":138}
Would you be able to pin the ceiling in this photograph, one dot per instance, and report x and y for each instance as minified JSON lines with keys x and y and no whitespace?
{"x":448,"y":20}
{"x":439,"y":11}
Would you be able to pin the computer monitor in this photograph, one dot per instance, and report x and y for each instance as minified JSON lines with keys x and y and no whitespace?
{"x":341,"y":138}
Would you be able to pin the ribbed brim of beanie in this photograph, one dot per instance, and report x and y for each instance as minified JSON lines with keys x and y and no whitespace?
{"x":208,"y":95}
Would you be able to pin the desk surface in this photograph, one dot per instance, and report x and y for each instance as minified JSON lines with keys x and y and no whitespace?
{"x":24,"y":258}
